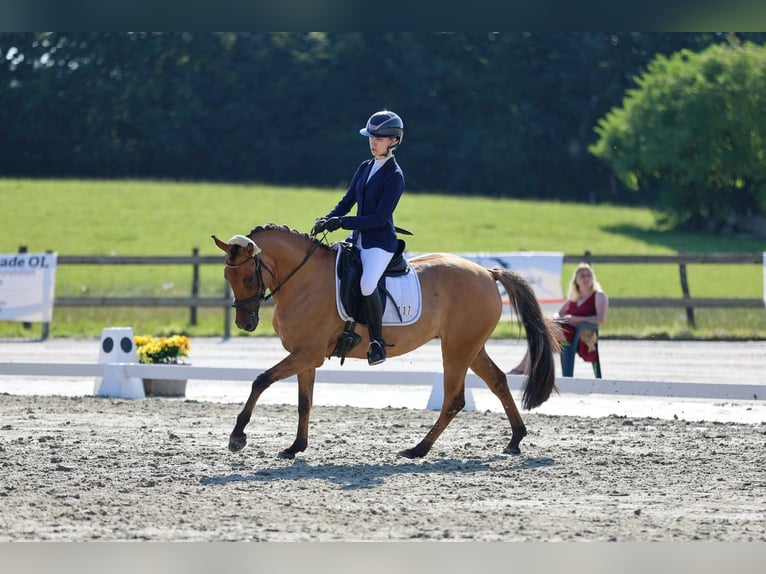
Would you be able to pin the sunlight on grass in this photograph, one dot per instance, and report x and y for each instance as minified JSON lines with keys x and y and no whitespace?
{"x":89,"y":217}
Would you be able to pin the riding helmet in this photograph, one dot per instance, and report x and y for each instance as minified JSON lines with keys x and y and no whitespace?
{"x":384,"y":124}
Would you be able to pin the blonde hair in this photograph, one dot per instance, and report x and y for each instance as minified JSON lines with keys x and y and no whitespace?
{"x":573,"y":294}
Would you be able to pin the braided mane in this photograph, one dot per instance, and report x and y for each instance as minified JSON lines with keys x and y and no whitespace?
{"x":286,"y":229}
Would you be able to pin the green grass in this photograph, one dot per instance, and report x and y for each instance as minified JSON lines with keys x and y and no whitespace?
{"x":74,"y":217}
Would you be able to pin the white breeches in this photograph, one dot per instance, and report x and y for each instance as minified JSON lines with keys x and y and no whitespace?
{"x":374,"y":263}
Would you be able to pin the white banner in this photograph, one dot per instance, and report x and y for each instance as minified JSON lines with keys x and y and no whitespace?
{"x":27,"y":286}
{"x":542,"y":269}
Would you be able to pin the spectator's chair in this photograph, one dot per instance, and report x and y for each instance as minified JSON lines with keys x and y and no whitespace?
{"x":568,"y":353}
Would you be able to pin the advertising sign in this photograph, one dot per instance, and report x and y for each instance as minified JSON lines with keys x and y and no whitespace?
{"x":27,"y":286}
{"x":541,"y":268}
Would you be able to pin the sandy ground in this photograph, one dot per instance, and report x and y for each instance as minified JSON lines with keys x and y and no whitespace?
{"x":593,"y":467}
{"x":85,"y":468}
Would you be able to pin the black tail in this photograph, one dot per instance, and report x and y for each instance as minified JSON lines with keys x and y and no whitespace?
{"x":541,"y":339}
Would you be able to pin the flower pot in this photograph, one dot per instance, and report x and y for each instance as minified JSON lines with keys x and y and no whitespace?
{"x":165,"y":387}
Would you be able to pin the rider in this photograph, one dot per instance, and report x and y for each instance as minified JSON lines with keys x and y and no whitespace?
{"x":375,"y":188}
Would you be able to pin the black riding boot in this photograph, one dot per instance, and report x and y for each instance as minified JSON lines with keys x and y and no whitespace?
{"x":376,"y":353}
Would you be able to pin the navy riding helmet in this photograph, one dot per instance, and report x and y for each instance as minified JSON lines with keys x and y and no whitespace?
{"x":384,"y":124}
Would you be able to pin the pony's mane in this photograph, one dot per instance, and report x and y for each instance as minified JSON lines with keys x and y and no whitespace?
{"x":285,"y":229}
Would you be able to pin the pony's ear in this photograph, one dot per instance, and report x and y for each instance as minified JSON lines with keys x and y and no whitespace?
{"x":221,"y":245}
{"x":245,"y":243}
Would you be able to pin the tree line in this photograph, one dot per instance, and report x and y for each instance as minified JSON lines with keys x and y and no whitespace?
{"x":495,"y":114}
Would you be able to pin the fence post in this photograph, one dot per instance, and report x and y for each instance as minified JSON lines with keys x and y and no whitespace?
{"x":25,"y":325}
{"x":46,"y":326}
{"x":685,"y":288}
{"x":195,"y":287}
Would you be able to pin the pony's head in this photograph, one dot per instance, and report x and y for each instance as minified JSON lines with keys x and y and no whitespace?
{"x":243,"y":273}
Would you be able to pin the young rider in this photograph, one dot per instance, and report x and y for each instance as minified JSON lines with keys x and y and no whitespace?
{"x":375,"y":188}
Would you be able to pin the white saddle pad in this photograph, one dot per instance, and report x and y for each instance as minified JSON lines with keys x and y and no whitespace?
{"x":405,"y":291}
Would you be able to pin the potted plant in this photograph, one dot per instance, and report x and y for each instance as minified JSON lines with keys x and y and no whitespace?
{"x":163,"y":351}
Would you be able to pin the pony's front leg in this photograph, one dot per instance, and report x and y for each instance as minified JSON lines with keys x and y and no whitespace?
{"x":305,"y":401}
{"x":297,"y":362}
{"x":238,"y":438}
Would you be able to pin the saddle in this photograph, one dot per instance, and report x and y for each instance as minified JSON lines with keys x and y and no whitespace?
{"x":349,"y":270}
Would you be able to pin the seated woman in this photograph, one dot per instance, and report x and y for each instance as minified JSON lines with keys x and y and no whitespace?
{"x":586,"y":303}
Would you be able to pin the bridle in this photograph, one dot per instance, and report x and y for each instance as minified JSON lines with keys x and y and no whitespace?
{"x":261,"y":296}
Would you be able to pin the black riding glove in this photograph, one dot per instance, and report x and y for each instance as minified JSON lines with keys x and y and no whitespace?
{"x":333,"y":223}
{"x":318,"y":227}
{"x":326,"y":224}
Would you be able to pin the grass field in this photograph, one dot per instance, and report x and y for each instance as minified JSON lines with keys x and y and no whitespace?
{"x":168,"y":218}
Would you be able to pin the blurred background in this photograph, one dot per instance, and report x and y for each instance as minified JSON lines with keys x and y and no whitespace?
{"x":506,"y":114}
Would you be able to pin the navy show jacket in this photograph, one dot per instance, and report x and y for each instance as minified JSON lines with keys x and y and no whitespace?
{"x":376,"y":201}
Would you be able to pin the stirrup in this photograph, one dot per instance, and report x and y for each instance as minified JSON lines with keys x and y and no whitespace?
{"x":376,"y":353}
{"x":348,"y":340}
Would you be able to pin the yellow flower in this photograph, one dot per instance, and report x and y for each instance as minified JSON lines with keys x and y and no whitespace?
{"x":165,"y":350}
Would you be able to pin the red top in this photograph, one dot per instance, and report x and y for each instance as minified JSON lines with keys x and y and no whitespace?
{"x":586,"y":309}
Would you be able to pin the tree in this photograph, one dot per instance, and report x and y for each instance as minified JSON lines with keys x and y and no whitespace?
{"x":504,"y":114}
{"x":692,"y":135}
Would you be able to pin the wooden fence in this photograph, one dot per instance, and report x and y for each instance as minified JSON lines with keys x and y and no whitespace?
{"x":195,"y":301}
{"x":682,"y":260}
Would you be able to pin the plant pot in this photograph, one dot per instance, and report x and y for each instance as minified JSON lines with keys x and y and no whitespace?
{"x":165,"y":387}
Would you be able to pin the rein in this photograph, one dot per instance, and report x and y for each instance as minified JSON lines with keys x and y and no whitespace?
{"x":261,"y":296}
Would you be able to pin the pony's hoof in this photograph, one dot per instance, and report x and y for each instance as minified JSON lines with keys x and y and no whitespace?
{"x":237,"y":444}
{"x":510,"y":449}
{"x":412,"y":453}
{"x":286,"y":454}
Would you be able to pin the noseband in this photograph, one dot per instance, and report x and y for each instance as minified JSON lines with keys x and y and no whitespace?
{"x":261,"y":296}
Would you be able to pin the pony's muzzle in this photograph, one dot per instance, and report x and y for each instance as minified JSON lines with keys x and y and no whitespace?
{"x":249,"y":325}
{"x":247,"y":320}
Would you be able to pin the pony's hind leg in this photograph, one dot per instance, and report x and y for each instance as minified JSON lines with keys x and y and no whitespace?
{"x":497,"y":382}
{"x":454,"y":401}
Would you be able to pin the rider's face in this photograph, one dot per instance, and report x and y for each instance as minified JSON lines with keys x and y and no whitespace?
{"x":379,"y":146}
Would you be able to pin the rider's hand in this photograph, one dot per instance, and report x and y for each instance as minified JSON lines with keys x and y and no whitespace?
{"x":319,"y":226}
{"x":333,"y":223}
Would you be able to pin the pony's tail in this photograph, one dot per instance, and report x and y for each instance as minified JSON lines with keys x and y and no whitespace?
{"x":541,"y":340}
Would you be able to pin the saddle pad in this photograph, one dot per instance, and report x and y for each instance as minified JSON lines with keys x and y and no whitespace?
{"x":405,"y":291}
